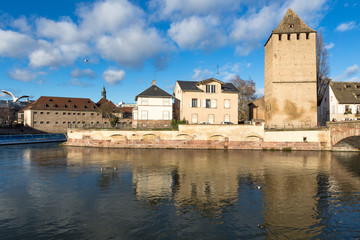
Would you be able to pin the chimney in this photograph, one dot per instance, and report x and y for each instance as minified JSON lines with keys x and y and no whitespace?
{"x":153,"y":82}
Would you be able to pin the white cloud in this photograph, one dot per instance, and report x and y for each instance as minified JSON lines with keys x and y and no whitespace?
{"x":14,"y":44}
{"x":77,"y":82}
{"x":259,"y":92}
{"x":78,"y":73}
{"x":201,"y":74}
{"x":329,"y":46}
{"x":64,"y":31}
{"x":181,"y":8}
{"x":132,"y":46}
{"x":346,"y":26}
{"x":109,"y":16}
{"x":197,"y":33}
{"x":24,"y":75}
{"x":113,"y":77}
{"x":352,"y":70}
{"x":48,"y":54}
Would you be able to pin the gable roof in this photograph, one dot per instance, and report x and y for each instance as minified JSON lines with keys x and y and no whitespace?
{"x":63,"y":104}
{"x":153,"y":91}
{"x":103,"y":102}
{"x":192,"y":86}
{"x":346,"y":92}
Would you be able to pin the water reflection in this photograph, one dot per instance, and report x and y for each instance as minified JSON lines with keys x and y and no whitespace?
{"x":182,"y":193}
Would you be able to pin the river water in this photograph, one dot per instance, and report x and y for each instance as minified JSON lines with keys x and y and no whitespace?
{"x":49,"y":191}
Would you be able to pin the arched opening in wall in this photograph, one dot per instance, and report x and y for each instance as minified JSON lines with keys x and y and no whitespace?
{"x":184,"y":137}
{"x":353,"y":143}
{"x":117,"y":137}
{"x":149,"y":137}
{"x":219,"y":138}
{"x":254,"y":138}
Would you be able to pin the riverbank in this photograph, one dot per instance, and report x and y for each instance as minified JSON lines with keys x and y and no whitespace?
{"x":204,"y":137}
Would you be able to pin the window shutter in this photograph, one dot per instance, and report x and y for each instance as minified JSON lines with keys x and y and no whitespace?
{"x":204,"y":103}
{"x":190,"y":102}
{"x":213,"y":103}
{"x":199,"y":103}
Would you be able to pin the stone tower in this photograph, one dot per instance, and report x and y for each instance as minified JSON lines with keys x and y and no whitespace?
{"x":290,"y":75}
{"x":103,"y":93}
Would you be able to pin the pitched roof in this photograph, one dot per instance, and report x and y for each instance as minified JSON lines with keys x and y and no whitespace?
{"x":192,"y":86}
{"x":346,"y":92}
{"x":126,"y":109}
{"x":63,"y":104}
{"x":153,"y":91}
{"x":103,"y":102}
{"x":292,"y":23}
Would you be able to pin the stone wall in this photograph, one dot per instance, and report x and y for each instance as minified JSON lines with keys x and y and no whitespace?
{"x":203,"y":137}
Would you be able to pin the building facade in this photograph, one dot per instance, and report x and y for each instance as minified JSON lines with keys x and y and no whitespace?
{"x":153,"y":108}
{"x":56,"y":114}
{"x":290,"y":75}
{"x":209,"y":101}
{"x":341,"y":102}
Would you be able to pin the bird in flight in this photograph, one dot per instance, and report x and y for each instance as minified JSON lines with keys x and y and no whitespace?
{"x":13,"y":97}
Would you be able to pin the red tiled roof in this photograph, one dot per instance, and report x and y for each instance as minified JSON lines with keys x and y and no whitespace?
{"x":64,"y":104}
{"x":126,"y":109}
{"x":106,"y":103}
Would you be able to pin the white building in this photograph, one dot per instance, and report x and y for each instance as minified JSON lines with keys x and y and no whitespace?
{"x":153,"y":108}
{"x":341,"y":102}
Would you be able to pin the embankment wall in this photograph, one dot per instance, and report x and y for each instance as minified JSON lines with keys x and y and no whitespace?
{"x":203,"y":137}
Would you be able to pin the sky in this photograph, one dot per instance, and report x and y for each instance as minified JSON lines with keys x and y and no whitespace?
{"x":70,"y":48}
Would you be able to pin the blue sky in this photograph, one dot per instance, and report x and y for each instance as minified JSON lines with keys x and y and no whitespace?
{"x":126,"y":42}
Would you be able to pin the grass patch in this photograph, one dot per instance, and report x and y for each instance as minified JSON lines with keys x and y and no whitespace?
{"x":288,"y":149}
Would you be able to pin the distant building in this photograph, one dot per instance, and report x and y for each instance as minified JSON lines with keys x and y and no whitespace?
{"x":211,"y":101}
{"x":257,"y":110}
{"x":153,"y":108}
{"x":56,"y":114}
{"x":340,"y":102}
{"x":11,"y":112}
{"x":290,"y":75}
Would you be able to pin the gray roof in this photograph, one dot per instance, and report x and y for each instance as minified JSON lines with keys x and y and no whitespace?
{"x":191,"y":86}
{"x":346,"y":92}
{"x":154,"y":91}
{"x":292,"y":23}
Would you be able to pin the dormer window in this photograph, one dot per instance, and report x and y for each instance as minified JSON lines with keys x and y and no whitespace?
{"x":74,"y":106}
{"x":46,"y":105}
{"x":357,"y":86}
{"x":358,"y":96}
{"x":85,"y":107}
{"x":55,"y":105}
{"x":347,"y":86}
{"x":211,"y":88}
{"x":291,"y":25}
{"x":50,"y":100}
{"x":69,"y":100}
{"x":65,"y":106}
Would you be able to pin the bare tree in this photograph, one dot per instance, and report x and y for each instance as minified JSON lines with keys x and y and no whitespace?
{"x":322,"y":65}
{"x":246,"y":95}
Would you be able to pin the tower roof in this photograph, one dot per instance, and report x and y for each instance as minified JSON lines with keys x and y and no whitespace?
{"x":292,"y":23}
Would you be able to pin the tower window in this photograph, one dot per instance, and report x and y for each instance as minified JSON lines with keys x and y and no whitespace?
{"x":279,"y":37}
{"x":291,"y":25}
{"x":288,"y":36}
{"x":298,"y":36}
{"x":307,"y":35}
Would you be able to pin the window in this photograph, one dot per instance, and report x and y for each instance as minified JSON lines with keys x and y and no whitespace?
{"x":207,"y":88}
{"x":213,"y":88}
{"x":348,"y":109}
{"x":291,"y":25}
{"x":41,"y":122}
{"x":74,"y":113}
{"x":144,"y":115}
{"x":213,"y":103}
{"x":47,"y":122}
{"x":56,"y":122}
{"x":64,"y":113}
{"x":194,"y":102}
{"x":227,"y":103}
{"x":56,"y":113}
{"x":279,"y":37}
{"x":92,"y":114}
{"x":211,"y":118}
{"x":194,"y":118}
{"x":298,"y":36}
{"x":307,"y":35}
{"x":207,"y":103}
{"x":41,"y":112}
{"x":226,"y":118}
{"x":144,"y":101}
{"x":166,"y":115}
{"x":35,"y":122}
{"x":288,"y":36}
{"x":64,"y":122}
{"x":35,"y":112}
{"x":69,"y":113}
